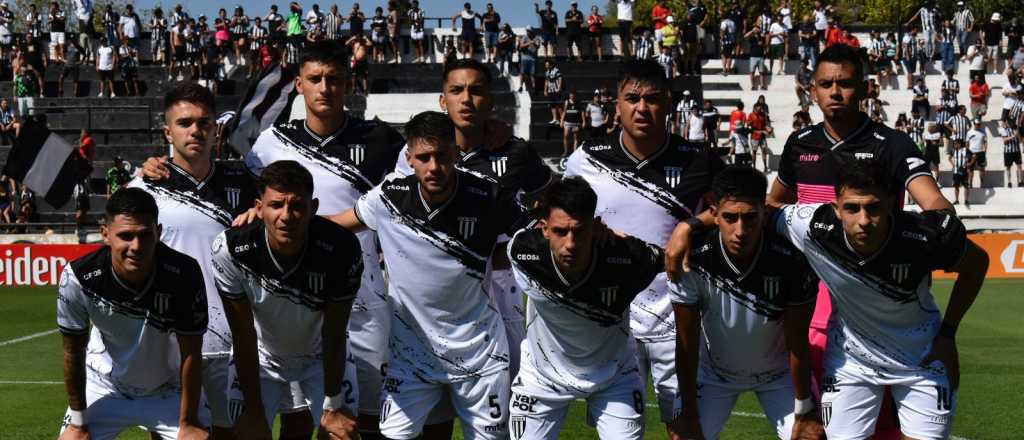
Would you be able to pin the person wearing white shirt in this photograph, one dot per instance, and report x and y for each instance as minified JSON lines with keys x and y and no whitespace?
{"x":777,"y":34}
{"x":129,"y":26}
{"x":625,"y":16}
{"x":977,"y":144}
{"x":694,"y":131}
{"x":1012,"y":94}
{"x":106,"y":58}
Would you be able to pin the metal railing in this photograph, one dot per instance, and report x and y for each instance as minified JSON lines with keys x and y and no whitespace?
{"x":90,"y":108}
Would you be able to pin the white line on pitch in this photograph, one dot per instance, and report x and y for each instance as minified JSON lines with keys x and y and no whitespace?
{"x":30,"y":382}
{"x":27,"y":338}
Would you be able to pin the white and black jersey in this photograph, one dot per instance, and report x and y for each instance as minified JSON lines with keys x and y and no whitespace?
{"x":192,"y":213}
{"x":961,"y":157}
{"x":578,"y":332}
{"x":959,"y":125}
{"x":883,"y":313}
{"x":131,"y":348}
{"x":288,"y":302}
{"x":344,"y":165}
{"x":332,"y":26}
{"x":928,"y":18}
{"x":1011,"y":143}
{"x":647,"y":198}
{"x":443,"y":323}
{"x":743,"y":339}
{"x":951,"y":85}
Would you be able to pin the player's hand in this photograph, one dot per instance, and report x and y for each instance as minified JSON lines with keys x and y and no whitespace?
{"x":252,"y":424}
{"x":677,"y":252}
{"x":686,"y":427}
{"x":73,"y":432}
{"x":944,"y":350}
{"x":155,"y":168}
{"x":808,"y":427}
{"x":496,"y":134}
{"x":189,"y":431}
{"x":337,"y":425}
{"x":246,"y":217}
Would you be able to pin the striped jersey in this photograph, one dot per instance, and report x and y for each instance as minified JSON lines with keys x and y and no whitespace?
{"x":240,"y":25}
{"x":332,"y":26}
{"x":959,"y":125}
{"x":928,"y":18}
{"x":961,"y":157}
{"x":1011,"y":142}
{"x":258,"y":37}
{"x":963,"y":19}
{"x":951,"y":85}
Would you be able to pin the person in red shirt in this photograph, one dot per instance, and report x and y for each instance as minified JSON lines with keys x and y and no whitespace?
{"x":833,"y":34}
{"x":736,"y":116}
{"x":86,"y":146}
{"x":980,"y":92}
{"x":595,"y":25}
{"x":757,"y":122}
{"x":659,"y":14}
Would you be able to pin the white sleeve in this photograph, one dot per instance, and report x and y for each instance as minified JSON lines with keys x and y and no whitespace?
{"x":574,"y":166}
{"x":687,"y":290}
{"x":402,"y":167}
{"x":72,"y":305}
{"x":794,"y":223}
{"x":227,"y":276}
{"x":370,"y":206}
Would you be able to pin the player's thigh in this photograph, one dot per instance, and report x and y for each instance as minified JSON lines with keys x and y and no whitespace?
{"x":312,"y":388}
{"x":926,"y":407}
{"x":368,"y":332}
{"x":714,"y":404}
{"x":535,"y":411}
{"x":216,"y":407}
{"x":273,"y":391}
{"x":405,"y":404}
{"x":618,"y":410}
{"x":162,"y":415}
{"x":849,"y":406}
{"x":107,"y":416}
{"x":659,"y":361}
{"x":482,"y":405}
{"x":777,"y":400}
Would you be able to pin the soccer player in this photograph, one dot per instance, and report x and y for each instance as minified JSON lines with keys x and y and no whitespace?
{"x":888,"y":331}
{"x":437,"y":230}
{"x":117,"y":309}
{"x":578,"y":313}
{"x":743,"y":310}
{"x":288,"y":282}
{"x":647,"y":181}
{"x":197,"y":202}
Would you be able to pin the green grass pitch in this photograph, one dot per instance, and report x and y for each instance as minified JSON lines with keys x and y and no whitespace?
{"x":991,"y":344}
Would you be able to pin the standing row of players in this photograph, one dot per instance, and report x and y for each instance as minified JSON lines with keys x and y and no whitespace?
{"x":278,"y":290}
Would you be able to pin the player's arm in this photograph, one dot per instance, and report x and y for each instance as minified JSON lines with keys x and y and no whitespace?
{"x":335,"y":420}
{"x":349,"y":220}
{"x":687,"y":423}
{"x":796,"y":321}
{"x":238,"y":311}
{"x":74,"y":383}
{"x":191,"y":348}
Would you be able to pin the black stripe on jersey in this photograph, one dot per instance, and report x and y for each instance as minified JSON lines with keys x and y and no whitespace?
{"x":336,"y":166}
{"x":648,"y":190}
{"x":190,"y":199}
{"x":476,"y":263}
{"x":451,"y":364}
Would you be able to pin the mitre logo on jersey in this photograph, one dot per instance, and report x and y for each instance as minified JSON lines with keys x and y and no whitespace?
{"x":162,"y":302}
{"x":357,"y":153}
{"x":467,"y":226}
{"x":233,"y":195}
{"x":771,"y":286}
{"x":316,"y":281}
{"x":608,"y":295}
{"x":499,"y":164}
{"x":900,"y":272}
{"x":673,"y":175}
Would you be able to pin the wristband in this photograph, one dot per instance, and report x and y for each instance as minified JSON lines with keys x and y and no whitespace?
{"x":334,"y":403}
{"x":74,"y":417}
{"x":947,"y":330}
{"x":801,"y":407}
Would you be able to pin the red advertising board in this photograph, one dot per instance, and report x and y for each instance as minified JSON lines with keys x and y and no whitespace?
{"x":37,"y":264}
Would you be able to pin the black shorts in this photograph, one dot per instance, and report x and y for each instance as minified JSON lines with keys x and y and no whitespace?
{"x":359,"y":68}
{"x":82,"y":203}
{"x":980,"y":163}
{"x":106,"y":75}
{"x":960,"y":180}
{"x":743,"y":159}
{"x":626,"y":30}
{"x":70,"y":71}
{"x":728,"y":48}
{"x":931,"y":155}
{"x":1010,"y":159}
{"x":179,"y":53}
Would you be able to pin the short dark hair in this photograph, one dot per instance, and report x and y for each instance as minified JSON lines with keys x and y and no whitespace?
{"x":329,"y":52}
{"x":431,"y":127}
{"x":843,"y":54}
{"x":131,"y":201}
{"x":466,"y":63}
{"x":643,"y":71}
{"x":739,"y":182}
{"x":287,"y":176}
{"x":572,"y":195}
{"x":190,"y":92}
{"x":863,"y":175}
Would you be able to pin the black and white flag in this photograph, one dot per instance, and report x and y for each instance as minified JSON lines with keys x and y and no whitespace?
{"x":45,"y":162}
{"x":266,"y":102}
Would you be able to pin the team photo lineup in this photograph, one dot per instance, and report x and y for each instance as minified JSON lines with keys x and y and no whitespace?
{"x":347,"y":280}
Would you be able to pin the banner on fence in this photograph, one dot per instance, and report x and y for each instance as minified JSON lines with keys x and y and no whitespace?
{"x":37,"y":264}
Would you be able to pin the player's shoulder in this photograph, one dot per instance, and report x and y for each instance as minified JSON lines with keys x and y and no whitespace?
{"x":528,"y":247}
{"x":475,"y":185}
{"x":821,"y":218}
{"x":398,"y":187}
{"x":175,"y":266}
{"x":704,"y":248}
{"x":242,"y":242}
{"x":925,"y":226}
{"x":331,"y":239}
{"x":810,"y":135}
{"x":630,"y":252}
{"x":89,"y":268}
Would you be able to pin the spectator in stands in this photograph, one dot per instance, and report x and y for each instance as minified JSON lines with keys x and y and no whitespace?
{"x":962,"y":162}
{"x":693,"y":127}
{"x":106,"y":59}
{"x":117,"y":175}
{"x":417,"y":33}
{"x":33,"y":22}
{"x":977,"y":145}
{"x":977,"y":58}
{"x":8,"y":191}
{"x":492,"y":27}
{"x":659,"y":17}
{"x":128,"y":65}
{"x":1017,"y":62}
{"x":504,"y":49}
{"x":26,"y":89}
{"x":86,"y":146}
{"x":1013,"y":92}
{"x":908,"y":55}
{"x":332,"y":24}
{"x":624,"y":14}
{"x":71,"y":68}
{"x":393,"y":31}
{"x":314,"y":19}
{"x":711,"y":118}
{"x":1011,"y":152}
{"x":808,"y":41}
{"x":755,"y":48}
{"x":595,"y":28}
{"x":295,"y":32}
{"x":992,"y":35}
{"x":379,"y":36}
{"x":178,"y":50}
{"x":760,"y":129}
{"x":6,"y":30}
{"x":727,"y":36}
{"x":736,"y":116}
{"x":467,"y":37}
{"x":739,"y":145}
{"x":821,"y":16}
{"x":129,"y":27}
{"x":959,"y":125}
{"x":932,"y":138}
{"x":777,"y":36}
{"x":980,"y":94}
{"x":239,"y":31}
{"x":58,"y":22}
{"x":920,"y":101}
{"x":688,"y":34}
{"x":258,"y":39}
{"x":574,"y":31}
{"x":33,"y":56}
{"x":644,"y":45}
{"x":359,"y":46}
{"x":553,"y":86}
{"x":596,"y":117}
{"x":7,"y":122}
{"x":548,"y":27}
{"x":158,"y":37}
{"x":963,"y":19}
{"x":111,"y":21}
{"x":945,"y":39}
{"x":930,"y":18}
{"x":356,"y":20}
{"x":667,"y":61}
{"x":529,"y":45}
{"x":571,"y":122}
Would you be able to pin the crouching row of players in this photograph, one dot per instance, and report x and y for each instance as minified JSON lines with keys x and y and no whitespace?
{"x":288,"y":281}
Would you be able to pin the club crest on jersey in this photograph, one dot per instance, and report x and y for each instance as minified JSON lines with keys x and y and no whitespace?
{"x":467,"y":226}
{"x":673,"y":175}
{"x":162,"y":302}
{"x":608,"y":295}
{"x":771,"y":286}
{"x":316,"y":281}
{"x":826,"y":413}
{"x":233,"y":195}
{"x":357,"y":153}
{"x":499,"y":164}
{"x":517,"y":426}
{"x":900,"y":272}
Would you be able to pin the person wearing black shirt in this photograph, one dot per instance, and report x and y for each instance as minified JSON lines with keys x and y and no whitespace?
{"x":356,"y":20}
{"x":548,"y":27}
{"x":573,"y":31}
{"x":992,"y":35}
{"x":492,"y":20}
{"x":755,"y":42}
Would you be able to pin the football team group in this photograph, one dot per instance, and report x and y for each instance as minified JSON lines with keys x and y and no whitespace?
{"x":358,"y":283}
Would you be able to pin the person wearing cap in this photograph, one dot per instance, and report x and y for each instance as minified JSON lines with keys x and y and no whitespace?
{"x":963,"y":19}
{"x":992,"y":36}
{"x":670,"y":35}
{"x":977,"y":144}
{"x":686,"y":103}
{"x":980,"y":93}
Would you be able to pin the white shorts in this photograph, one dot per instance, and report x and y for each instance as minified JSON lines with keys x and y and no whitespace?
{"x":480,"y":404}
{"x":658,"y":360}
{"x":214,"y":408}
{"x":368,"y":332}
{"x":852,"y":396}
{"x":416,"y":35}
{"x":57,"y":37}
{"x":537,"y":412}
{"x":716,"y":400}
{"x":109,"y":413}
